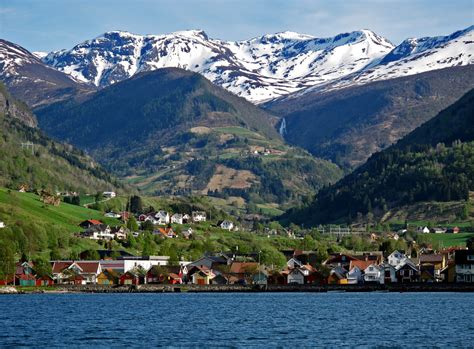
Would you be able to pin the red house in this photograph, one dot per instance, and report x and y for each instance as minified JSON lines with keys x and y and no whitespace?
{"x":130,"y":278}
{"x":44,"y":280}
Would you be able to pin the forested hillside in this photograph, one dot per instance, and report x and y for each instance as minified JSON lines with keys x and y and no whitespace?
{"x":28,"y":157}
{"x":172,"y":132}
{"x":433,"y":163}
{"x":348,"y":125}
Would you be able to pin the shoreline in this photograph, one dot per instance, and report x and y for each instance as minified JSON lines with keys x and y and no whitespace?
{"x":157,"y":288}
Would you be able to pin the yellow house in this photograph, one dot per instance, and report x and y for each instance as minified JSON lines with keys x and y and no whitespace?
{"x":107,"y":277}
{"x":337,"y":276}
{"x":202,"y":275}
{"x":435,"y":261}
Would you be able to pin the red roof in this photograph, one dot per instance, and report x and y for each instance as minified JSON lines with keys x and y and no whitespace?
{"x":94,"y":221}
{"x":86,"y":266}
{"x":242,"y":267}
{"x":362,"y":265}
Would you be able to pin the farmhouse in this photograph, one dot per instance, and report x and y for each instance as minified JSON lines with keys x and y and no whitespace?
{"x":162,"y":217}
{"x":199,"y":216}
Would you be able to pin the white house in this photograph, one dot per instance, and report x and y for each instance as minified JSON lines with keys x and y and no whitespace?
{"x":162,"y":217}
{"x":374,"y":273}
{"x":293,"y":263}
{"x":112,"y":215}
{"x":109,"y":194}
{"x":187,"y":233}
{"x":354,"y":276}
{"x":424,"y":230}
{"x":199,"y":216}
{"x":146,"y":263}
{"x":296,"y":276}
{"x":177,"y":218}
{"x":2,"y":225}
{"x":397,"y":259}
{"x":186,"y":218}
{"x":227,"y":225}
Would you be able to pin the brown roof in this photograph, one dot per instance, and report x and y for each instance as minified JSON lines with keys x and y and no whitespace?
{"x":362,"y":265}
{"x":242,"y":267}
{"x":86,"y":266}
{"x":431,"y":258}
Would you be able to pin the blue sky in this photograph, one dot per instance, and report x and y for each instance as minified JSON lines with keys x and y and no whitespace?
{"x":45,"y":25}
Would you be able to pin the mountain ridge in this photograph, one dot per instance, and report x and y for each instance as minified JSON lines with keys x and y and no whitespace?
{"x":262,"y":68}
{"x":173,"y":132}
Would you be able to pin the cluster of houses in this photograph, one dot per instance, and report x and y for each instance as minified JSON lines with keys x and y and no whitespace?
{"x":451,"y":265}
{"x":161,"y":220}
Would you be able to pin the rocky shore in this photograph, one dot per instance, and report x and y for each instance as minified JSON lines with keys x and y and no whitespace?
{"x":415,"y":287}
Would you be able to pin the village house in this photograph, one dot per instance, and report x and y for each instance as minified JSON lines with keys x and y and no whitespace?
{"x":89,"y":223}
{"x":199,"y":216}
{"x":374,"y":274}
{"x":454,"y":230}
{"x":390,"y":274}
{"x":109,"y":194}
{"x":162,"y":217}
{"x":187,"y":233}
{"x":112,"y":215}
{"x":177,"y":218}
{"x":108,"y":277}
{"x":407,"y":272}
{"x":355,"y":276}
{"x":293,"y":263}
{"x":164,"y":275}
{"x":98,"y":232}
{"x":243,"y":271}
{"x":226,"y":225}
{"x":423,"y":230}
{"x":165,"y":232}
{"x":132,"y":277}
{"x":200,"y":275}
{"x":432,"y":264}
{"x":301,"y":275}
{"x":130,"y":263}
{"x":337,"y":275}
{"x":186,"y":218}
{"x":148,"y":218}
{"x":76,"y":272}
{"x":396,"y":259}
{"x":339,"y":259}
{"x":464,"y":261}
{"x":2,"y":225}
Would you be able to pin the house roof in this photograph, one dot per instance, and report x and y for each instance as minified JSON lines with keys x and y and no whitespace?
{"x":86,"y":266}
{"x":431,"y":258}
{"x":92,"y":221}
{"x":362,"y":265}
{"x":242,"y":267}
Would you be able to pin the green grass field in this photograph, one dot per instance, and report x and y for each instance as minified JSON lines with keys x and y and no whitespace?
{"x":15,"y":206}
{"x":449,"y":240}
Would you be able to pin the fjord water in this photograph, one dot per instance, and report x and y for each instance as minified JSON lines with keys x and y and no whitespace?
{"x":395,"y":320}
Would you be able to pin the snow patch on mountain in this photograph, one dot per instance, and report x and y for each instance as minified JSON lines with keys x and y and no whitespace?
{"x":266,"y":67}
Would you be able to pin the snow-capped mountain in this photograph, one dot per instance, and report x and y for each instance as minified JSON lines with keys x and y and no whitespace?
{"x":267,"y":67}
{"x":32,"y":81}
{"x":258,"y":69}
{"x":414,"y":56}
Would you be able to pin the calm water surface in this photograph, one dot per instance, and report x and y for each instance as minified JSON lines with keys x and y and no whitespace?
{"x":391,"y":320}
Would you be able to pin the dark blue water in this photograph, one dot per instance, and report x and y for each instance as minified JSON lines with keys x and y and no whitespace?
{"x":392,"y":320}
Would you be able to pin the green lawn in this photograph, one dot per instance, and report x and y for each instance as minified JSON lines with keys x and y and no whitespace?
{"x":448,"y":240}
{"x":15,"y":206}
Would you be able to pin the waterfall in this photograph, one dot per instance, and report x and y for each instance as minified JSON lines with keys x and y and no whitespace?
{"x":282,"y":127}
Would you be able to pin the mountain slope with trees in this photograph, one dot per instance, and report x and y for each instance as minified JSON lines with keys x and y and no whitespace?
{"x":45,"y":163}
{"x":348,"y":125}
{"x":433,"y":163}
{"x":172,"y":131}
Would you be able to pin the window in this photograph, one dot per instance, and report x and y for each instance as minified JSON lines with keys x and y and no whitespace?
{"x":470,"y":257}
